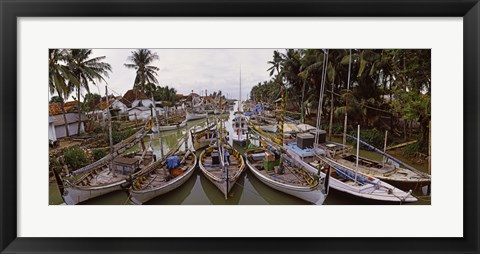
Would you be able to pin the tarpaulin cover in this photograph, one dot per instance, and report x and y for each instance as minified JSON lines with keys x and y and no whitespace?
{"x":173,"y":162}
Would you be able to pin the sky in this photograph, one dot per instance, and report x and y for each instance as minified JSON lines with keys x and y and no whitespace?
{"x":192,"y":69}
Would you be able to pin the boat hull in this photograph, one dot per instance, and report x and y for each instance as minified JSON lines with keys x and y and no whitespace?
{"x":309,"y":194}
{"x":173,"y":127}
{"x":74,"y":195}
{"x":191,"y":117}
{"x":140,"y":197}
{"x":378,"y":190}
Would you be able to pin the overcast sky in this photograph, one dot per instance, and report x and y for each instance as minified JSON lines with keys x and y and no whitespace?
{"x":192,"y":69}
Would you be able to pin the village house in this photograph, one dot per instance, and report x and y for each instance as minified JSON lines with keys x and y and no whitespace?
{"x":72,"y":119}
{"x":52,"y":137}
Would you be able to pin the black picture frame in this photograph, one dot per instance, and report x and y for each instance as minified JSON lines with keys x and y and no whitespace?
{"x":10,"y":10}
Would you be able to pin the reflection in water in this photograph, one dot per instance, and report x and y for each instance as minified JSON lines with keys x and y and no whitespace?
{"x":199,"y":191}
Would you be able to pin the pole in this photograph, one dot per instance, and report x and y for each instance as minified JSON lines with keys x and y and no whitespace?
{"x":385,"y":147}
{"x":358,"y":150}
{"x":346,"y":99}
{"x":158,"y":127}
{"x":110,"y":133}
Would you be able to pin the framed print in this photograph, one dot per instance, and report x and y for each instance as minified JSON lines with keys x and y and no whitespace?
{"x":244,"y":184}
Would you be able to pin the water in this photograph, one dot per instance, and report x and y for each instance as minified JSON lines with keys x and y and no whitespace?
{"x":248,"y":190}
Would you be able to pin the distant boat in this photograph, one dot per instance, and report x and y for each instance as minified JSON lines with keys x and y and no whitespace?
{"x":195,"y":116}
{"x":239,"y":122}
{"x":240,"y":128}
{"x":173,"y":126}
{"x":295,"y":180}
{"x":223,"y":171}
{"x":163,"y":176}
{"x":204,"y":137}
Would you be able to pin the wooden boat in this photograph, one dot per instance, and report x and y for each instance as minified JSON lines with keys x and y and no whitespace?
{"x":206,"y":136}
{"x":173,"y":126}
{"x":342,"y":178}
{"x":100,"y":180}
{"x":392,"y":170}
{"x":295,"y":180}
{"x":157,"y":179}
{"x":195,"y":116}
{"x":216,"y":170}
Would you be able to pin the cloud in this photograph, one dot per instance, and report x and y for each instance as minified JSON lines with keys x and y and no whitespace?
{"x":193,"y":69}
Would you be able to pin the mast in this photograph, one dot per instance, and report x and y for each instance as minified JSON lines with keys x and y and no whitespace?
{"x":110,"y":132}
{"x":240,"y":95}
{"x":346,"y":99}
{"x":158,"y":126}
{"x":358,"y":150}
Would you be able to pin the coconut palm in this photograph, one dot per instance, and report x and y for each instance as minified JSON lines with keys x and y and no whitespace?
{"x":86,"y":70}
{"x":59,"y":74}
{"x":141,"y":61}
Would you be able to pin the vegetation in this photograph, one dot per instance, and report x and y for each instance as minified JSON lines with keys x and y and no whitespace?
{"x":75,"y":157}
{"x":73,"y":70}
{"x":99,"y":153}
{"x":388,"y":89}
{"x":141,"y":61}
{"x":56,"y":99}
{"x":118,"y":136}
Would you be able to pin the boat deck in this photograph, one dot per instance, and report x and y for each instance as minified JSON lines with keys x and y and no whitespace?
{"x":290,"y":175}
{"x":100,"y":177}
{"x":216,"y":169}
{"x":160,"y":175}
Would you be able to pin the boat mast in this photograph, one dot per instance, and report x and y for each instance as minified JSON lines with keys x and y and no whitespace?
{"x":320,"y":99}
{"x":112,"y":170}
{"x":158,"y":126}
{"x":346,"y":98}
{"x":240,"y":95}
{"x":385,"y":148}
{"x":358,"y":149}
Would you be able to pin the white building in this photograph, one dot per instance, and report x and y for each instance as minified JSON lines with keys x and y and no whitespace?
{"x":139,"y":113}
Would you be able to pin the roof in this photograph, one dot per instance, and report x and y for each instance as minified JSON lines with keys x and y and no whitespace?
{"x":141,"y":108}
{"x":71,"y":118}
{"x":132,"y":95}
{"x":103,"y":104}
{"x":54,"y":109}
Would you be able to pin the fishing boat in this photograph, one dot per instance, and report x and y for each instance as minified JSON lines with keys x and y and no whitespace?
{"x":203,"y":137}
{"x":239,"y":122}
{"x":172,"y":126}
{"x":102,"y":180}
{"x":390,"y":170}
{"x":342,"y":178}
{"x":163,"y":175}
{"x":221,"y":164}
{"x":293,"y":179}
{"x":195,"y":111}
{"x":192,"y":115}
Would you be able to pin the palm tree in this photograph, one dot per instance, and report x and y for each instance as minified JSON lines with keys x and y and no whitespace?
{"x":141,"y":60}
{"x":58,"y":76}
{"x":86,"y":70}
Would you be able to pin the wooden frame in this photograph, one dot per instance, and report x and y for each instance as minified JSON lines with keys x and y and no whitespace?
{"x":10,"y":10}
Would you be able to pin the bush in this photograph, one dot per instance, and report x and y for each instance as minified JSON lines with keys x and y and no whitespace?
{"x":54,"y":164}
{"x":371,"y":136}
{"x":75,"y":157}
{"x":99,"y":153}
{"x":118,"y":136}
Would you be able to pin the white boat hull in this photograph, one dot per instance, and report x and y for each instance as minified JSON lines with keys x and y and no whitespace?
{"x":312,"y":195}
{"x":191,"y":117}
{"x":74,"y":195}
{"x":378,"y":191}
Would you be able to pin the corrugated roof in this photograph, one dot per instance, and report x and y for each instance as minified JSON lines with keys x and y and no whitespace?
{"x":71,"y":118}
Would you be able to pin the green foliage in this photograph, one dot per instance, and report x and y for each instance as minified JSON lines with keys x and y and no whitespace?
{"x":56,"y":99}
{"x":99,"y":153}
{"x":54,"y":164}
{"x":118,"y":136}
{"x":373,"y":137}
{"x":75,"y":157}
{"x":411,"y":149}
